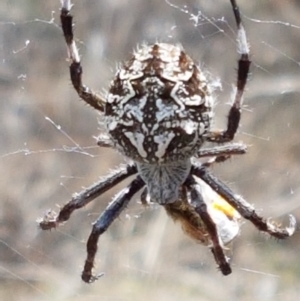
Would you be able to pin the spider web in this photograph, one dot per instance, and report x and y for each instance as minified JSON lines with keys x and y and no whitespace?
{"x":48,"y":151}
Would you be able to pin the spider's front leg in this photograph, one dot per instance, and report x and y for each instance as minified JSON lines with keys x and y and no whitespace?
{"x":243,"y":207}
{"x":243,"y":71}
{"x":200,"y":207}
{"x":112,"y":211}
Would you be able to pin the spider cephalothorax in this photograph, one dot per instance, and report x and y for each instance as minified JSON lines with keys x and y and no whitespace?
{"x":158,"y":114}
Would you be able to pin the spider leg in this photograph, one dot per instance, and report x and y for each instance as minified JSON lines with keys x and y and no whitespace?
{"x":220,"y":154}
{"x":200,"y":207}
{"x":84,"y":92}
{"x":223,"y":150}
{"x":243,"y":71}
{"x":243,"y":207}
{"x":112,"y":211}
{"x":52,"y":220}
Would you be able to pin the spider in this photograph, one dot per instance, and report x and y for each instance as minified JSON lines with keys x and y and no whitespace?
{"x":158,"y":113}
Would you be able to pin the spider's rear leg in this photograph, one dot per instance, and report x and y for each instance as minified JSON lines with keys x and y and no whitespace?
{"x":243,"y":207}
{"x":112,"y":211}
{"x":200,"y":207}
{"x":243,"y":71}
{"x":84,"y":92}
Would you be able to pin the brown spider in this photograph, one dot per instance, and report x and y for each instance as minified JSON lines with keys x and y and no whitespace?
{"x":158,"y":113}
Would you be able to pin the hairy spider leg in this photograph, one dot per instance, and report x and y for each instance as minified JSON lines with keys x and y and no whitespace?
{"x":51,"y":220}
{"x":222,"y":150}
{"x":200,"y":207}
{"x":111,"y":212}
{"x":243,"y":207}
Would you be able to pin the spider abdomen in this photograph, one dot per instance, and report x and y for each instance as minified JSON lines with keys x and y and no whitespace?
{"x":159,"y":106}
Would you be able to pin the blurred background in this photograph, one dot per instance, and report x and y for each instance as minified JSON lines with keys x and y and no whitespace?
{"x":48,"y":152}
